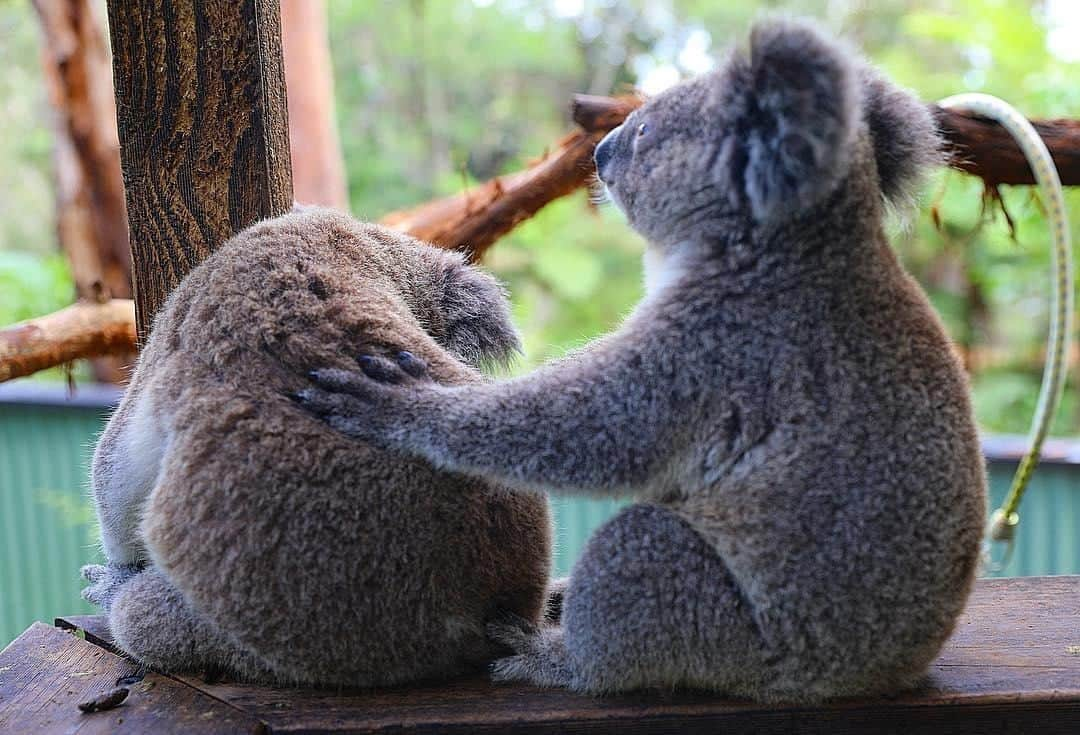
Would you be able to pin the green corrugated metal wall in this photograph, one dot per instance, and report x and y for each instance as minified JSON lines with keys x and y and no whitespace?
{"x":46,"y":526}
{"x":46,"y":529}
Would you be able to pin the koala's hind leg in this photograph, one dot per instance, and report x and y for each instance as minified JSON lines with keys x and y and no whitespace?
{"x":123,"y":473}
{"x":152,"y":621}
{"x":650,"y":603}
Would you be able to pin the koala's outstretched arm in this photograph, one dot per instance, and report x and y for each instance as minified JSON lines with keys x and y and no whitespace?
{"x":603,"y":421}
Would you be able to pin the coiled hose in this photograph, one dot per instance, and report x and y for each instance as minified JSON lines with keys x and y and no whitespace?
{"x":1004,"y":520}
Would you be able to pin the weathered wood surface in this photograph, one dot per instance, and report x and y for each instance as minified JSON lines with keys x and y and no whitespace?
{"x":46,"y":672}
{"x":976,"y":145}
{"x":1013,"y":666}
{"x":204,"y":138}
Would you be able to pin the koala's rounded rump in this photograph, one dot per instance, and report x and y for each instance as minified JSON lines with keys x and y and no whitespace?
{"x":288,"y":551}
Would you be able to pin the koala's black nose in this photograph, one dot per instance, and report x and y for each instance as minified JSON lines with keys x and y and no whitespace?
{"x":603,"y":151}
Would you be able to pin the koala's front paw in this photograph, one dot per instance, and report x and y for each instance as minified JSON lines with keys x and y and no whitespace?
{"x":376,"y":404}
{"x":106,"y":581}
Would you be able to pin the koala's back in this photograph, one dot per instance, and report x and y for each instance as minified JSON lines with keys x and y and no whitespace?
{"x":328,"y":560}
{"x":855,"y":515}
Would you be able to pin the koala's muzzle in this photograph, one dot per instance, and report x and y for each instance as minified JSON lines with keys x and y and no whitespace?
{"x":604,"y":151}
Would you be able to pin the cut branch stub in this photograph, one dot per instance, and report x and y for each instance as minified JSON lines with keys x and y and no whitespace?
{"x":204,"y":138}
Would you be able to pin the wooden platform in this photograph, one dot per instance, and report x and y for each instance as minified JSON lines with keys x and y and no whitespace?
{"x":1012,"y":667}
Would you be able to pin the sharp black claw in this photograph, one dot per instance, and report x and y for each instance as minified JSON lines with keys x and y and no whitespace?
{"x":298,"y":398}
{"x":411,"y":364}
{"x":379,"y":369}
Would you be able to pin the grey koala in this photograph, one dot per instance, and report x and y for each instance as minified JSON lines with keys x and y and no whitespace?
{"x":784,"y":403}
{"x":244,"y":535}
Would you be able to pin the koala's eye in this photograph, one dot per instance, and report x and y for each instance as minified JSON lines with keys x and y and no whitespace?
{"x":642,"y":129}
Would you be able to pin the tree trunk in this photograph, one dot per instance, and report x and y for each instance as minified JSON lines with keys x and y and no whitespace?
{"x":204,"y":137}
{"x":317,"y":166}
{"x":91,"y":221}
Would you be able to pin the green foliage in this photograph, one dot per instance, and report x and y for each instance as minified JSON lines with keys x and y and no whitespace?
{"x":31,"y":284}
{"x":436,"y":94}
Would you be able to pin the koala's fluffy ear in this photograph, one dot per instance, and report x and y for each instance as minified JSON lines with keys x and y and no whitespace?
{"x":478,"y":327}
{"x":905,"y":136}
{"x":794,"y":102}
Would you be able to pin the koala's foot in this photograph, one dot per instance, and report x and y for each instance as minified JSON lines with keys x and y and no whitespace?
{"x":152,"y":621}
{"x":105,"y":582}
{"x":540,"y":653}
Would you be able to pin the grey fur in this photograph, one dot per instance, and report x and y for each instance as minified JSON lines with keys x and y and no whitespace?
{"x":784,"y":403}
{"x":243,"y":535}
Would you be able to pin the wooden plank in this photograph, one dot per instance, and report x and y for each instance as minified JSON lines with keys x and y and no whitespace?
{"x":1012,"y":666}
{"x":204,"y":140}
{"x":45,"y":673}
{"x":94,"y":628}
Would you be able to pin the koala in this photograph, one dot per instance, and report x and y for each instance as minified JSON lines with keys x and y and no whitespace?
{"x":783,"y":405}
{"x":246,"y":537}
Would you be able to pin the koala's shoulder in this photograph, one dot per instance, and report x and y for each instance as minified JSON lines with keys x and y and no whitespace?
{"x":285,"y":286}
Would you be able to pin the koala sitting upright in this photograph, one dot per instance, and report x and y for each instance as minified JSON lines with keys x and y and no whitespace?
{"x":243,"y":534}
{"x":784,"y":403}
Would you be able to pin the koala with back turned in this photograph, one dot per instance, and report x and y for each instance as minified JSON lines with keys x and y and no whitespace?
{"x":244,"y":535}
{"x":783,"y":404}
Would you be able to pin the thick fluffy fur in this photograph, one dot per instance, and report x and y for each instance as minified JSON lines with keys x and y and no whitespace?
{"x":244,"y":534}
{"x":784,"y":404}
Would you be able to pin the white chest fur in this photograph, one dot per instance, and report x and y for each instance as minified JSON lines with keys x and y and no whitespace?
{"x":661,"y":268}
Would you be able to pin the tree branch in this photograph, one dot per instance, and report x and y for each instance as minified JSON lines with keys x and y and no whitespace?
{"x":85,"y":329}
{"x":475,"y":219}
{"x":975,"y":145}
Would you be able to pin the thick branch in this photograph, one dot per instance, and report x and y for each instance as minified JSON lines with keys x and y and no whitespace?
{"x":976,"y":145}
{"x":984,"y":148}
{"x":85,"y":329}
{"x":475,"y":219}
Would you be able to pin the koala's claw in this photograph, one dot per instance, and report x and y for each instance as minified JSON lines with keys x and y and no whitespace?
{"x":384,"y":370}
{"x":106,"y":581}
{"x":380,"y":369}
{"x":413,"y":365}
{"x":334,"y":380}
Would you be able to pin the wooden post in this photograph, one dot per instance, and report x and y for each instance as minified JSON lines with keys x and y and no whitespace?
{"x":204,"y":140}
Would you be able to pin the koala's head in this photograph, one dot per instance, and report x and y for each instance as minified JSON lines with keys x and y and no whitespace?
{"x":763,"y":139}
{"x":463,"y":308}
{"x":339,"y":259}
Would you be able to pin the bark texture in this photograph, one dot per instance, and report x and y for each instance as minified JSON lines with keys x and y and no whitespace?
{"x":203,"y":130}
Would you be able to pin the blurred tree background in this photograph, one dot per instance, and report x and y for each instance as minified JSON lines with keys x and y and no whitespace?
{"x":433,"y":95}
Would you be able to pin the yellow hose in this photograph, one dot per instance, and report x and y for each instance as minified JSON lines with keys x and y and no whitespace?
{"x":1005,"y":519}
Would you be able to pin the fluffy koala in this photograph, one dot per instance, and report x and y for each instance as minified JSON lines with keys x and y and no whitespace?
{"x":784,"y":404}
{"x":243,"y":534}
